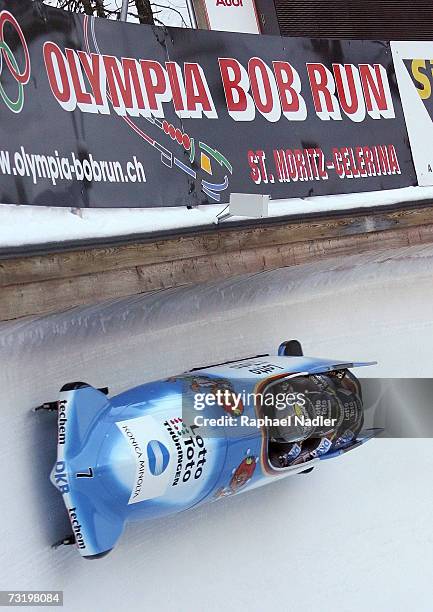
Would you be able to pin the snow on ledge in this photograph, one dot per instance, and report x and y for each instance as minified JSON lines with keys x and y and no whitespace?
{"x":33,"y":225}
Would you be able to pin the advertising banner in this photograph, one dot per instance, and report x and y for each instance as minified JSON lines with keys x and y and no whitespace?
{"x":232,"y":16}
{"x":102,"y":114}
{"x":414,"y":69}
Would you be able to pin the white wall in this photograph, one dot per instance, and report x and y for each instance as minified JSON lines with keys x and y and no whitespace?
{"x":355,"y":534}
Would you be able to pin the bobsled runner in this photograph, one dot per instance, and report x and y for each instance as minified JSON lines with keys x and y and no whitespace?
{"x":170,"y":445}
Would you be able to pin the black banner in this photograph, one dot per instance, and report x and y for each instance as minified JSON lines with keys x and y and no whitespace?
{"x":104,"y":114}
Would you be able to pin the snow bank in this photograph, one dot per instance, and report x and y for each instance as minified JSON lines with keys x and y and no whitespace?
{"x":32,"y":225}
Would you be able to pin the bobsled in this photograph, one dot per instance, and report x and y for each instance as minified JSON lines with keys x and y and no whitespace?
{"x":213,"y":432}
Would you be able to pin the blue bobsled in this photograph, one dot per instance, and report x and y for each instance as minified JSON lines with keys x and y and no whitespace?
{"x":172,"y":444}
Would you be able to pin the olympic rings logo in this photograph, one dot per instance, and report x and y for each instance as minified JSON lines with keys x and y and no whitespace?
{"x":7,"y":57}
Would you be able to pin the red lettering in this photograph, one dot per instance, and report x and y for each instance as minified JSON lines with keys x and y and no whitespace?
{"x":369,"y":163}
{"x":393,"y":160}
{"x":372,"y":85}
{"x":353,"y":166}
{"x":289,"y":97}
{"x":281,"y":165}
{"x":291,"y":165}
{"x":92,"y":68}
{"x":322,"y":164}
{"x":154,"y":81}
{"x":359,"y":157}
{"x":123,"y":83}
{"x":255,"y":170}
{"x":258,"y":74}
{"x":350,"y":108}
{"x":338,"y":165}
{"x":176,"y":90}
{"x":196,"y":89}
{"x":319,"y":81}
{"x":57,"y":72}
{"x":83,"y":97}
{"x":300,"y":165}
{"x":231,"y":75}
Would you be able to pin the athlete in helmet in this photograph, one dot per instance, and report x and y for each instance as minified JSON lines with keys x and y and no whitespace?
{"x":334,"y":397}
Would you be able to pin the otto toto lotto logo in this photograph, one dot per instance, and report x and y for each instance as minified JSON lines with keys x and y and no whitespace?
{"x":9,"y":62}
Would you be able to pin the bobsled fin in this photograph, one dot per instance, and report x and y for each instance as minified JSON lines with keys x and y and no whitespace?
{"x":368,"y":434}
{"x":362,"y":364}
{"x":97,"y":556}
{"x":81,"y":404}
{"x":105,"y":533}
{"x":99,"y":528}
{"x":331,"y":366}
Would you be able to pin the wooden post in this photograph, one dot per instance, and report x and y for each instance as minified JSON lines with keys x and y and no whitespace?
{"x":200,"y":12}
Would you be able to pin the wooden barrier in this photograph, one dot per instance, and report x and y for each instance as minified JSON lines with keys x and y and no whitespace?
{"x":41,"y":284}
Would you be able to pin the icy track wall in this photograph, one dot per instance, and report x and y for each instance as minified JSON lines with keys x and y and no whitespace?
{"x":344,"y":533}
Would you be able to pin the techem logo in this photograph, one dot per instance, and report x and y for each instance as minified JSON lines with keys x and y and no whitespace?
{"x":7,"y":59}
